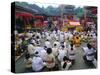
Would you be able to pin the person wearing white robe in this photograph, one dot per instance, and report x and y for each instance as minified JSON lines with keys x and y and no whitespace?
{"x":65,"y":64}
{"x":62,"y":53}
{"x":89,"y":53}
{"x":71,"y":45}
{"x":33,"y":41}
{"x":66,"y":35}
{"x":29,"y":35}
{"x":46,"y":34}
{"x":43,"y":35}
{"x":71,"y":53}
{"x":48,"y":44}
{"x":50,"y":59}
{"x":49,"y":37}
{"x":62,"y":37}
{"x":41,"y":52}
{"x":19,"y":41}
{"x":57,"y":43}
{"x":37,"y":63}
{"x":31,"y":49}
{"x":58,"y":32}
{"x":55,"y":50}
{"x":70,"y":36}
{"x":38,"y":34}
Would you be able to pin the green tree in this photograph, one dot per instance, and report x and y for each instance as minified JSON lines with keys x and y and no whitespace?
{"x":79,"y":11}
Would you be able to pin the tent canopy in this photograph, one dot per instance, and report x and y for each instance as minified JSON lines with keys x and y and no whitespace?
{"x":24,"y":14}
{"x":74,"y":23}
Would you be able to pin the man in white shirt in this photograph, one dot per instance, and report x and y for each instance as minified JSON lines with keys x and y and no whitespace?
{"x":62,"y":53}
{"x":38,"y":40}
{"x":37,"y":63}
{"x":55,"y":50}
{"x":29,"y":35}
{"x":18,"y":41}
{"x":66,"y":35}
{"x":43,"y":35}
{"x":66,"y":63}
{"x":46,"y":34}
{"x":72,"y":55}
{"x":41,"y":52}
{"x":58,"y":32}
{"x":62,"y":38}
{"x":55,"y":36}
{"x":57,"y":43}
{"x":31,"y":48}
{"x":63,"y":43}
{"x":89,"y":53}
{"x":38,"y":34}
{"x":33,"y":41}
{"x":49,"y":37}
{"x":50,"y":59}
{"x":70,"y":36}
{"x":48,"y":44}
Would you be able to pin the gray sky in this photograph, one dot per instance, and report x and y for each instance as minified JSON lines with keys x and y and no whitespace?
{"x":54,"y":3}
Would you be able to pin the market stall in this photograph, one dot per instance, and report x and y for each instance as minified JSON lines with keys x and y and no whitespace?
{"x":72,"y":25}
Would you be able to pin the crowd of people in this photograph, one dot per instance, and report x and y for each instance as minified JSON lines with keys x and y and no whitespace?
{"x":54,"y":50}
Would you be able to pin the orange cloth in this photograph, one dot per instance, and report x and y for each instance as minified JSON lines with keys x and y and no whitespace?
{"x":77,"y":41}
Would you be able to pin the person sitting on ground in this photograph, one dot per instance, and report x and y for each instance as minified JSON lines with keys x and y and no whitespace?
{"x":49,"y":37}
{"x":41,"y":51}
{"x":34,"y":41}
{"x":38,"y":40}
{"x":63,"y":43}
{"x":38,"y":34}
{"x":48,"y":44}
{"x":71,"y":54}
{"x":66,"y":36}
{"x":43,"y":35}
{"x":85,"y":37}
{"x":50,"y":59}
{"x":28,"y":61}
{"x":24,"y":44}
{"x":62,"y":38}
{"x":37,"y":63}
{"x":31,"y":48}
{"x":66,"y":63}
{"x":55,"y":50}
{"x":45,"y":47}
{"x":34,"y":36}
{"x":71,"y":45}
{"x":57,"y":43}
{"x":62,"y":53}
{"x":46,"y":34}
{"x":77,"y":41}
{"x":89,"y":54}
{"x":70,"y":36}
{"x":38,"y":48}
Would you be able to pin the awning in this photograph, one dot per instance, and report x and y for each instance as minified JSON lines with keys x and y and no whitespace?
{"x":24,"y":14}
{"x":74,"y":23}
{"x":90,"y":23}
